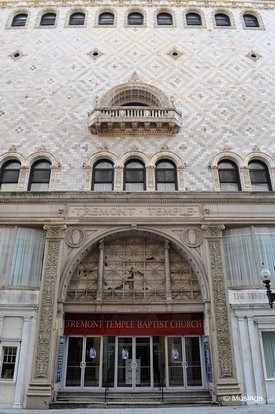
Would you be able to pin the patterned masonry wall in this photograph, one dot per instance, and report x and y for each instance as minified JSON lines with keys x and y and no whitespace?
{"x":226,"y":98}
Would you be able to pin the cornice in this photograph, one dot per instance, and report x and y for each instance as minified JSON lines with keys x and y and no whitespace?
{"x":270,"y":4}
{"x":120,"y":198}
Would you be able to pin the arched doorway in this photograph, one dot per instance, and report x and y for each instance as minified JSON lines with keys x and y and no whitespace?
{"x":134,"y":317}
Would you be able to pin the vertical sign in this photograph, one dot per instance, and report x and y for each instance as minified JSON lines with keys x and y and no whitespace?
{"x":207,"y":358}
{"x":60,"y":358}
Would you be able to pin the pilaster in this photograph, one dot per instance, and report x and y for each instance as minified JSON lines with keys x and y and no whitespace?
{"x":40,"y":389}
{"x":226,"y":385}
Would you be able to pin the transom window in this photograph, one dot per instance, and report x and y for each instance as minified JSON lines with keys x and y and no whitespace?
{"x":19,"y":20}
{"x":229,"y":176}
{"x":222,"y":19}
{"x":259,"y":176}
{"x":193,"y":19}
{"x":106,"y":19}
{"x":250,"y":20}
{"x":166,"y":179}
{"x":77,"y":19}
{"x":164,"y":19}
{"x":134,"y":176}
{"x":40,"y":176}
{"x":9,"y":175}
{"x":135,"y":19}
{"x":103,"y":176}
{"x":48,"y":19}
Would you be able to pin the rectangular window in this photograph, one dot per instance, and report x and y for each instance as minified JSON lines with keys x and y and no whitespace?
{"x":8,"y":362}
{"x":269,"y":353}
{"x":245,"y":249}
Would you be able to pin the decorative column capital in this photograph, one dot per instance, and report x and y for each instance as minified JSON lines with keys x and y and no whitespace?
{"x":55,"y":232}
{"x":212,"y":231}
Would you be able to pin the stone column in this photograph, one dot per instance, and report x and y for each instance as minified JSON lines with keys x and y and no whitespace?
{"x":100,"y":271}
{"x":40,"y":389}
{"x":225,"y":383}
{"x":167,"y":271}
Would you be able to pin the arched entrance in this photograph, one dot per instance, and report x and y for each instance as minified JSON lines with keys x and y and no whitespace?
{"x":134,"y":317}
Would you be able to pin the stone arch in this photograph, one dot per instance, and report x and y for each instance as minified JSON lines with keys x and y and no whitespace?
{"x":254,"y":13}
{"x":88,"y":166}
{"x":197,"y":11}
{"x":105,"y":10}
{"x":14,"y":13}
{"x":147,"y":93}
{"x":190,"y":255}
{"x":38,"y":156}
{"x":228,"y":13}
{"x":167,"y":155}
{"x":134,"y":154}
{"x":261,"y":156}
{"x":168,"y":11}
{"x":136,"y":10}
{"x":227,"y":154}
{"x":11,"y":155}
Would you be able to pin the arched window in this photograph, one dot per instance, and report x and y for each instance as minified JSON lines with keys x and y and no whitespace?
{"x":103,"y":176}
{"x":222,"y":19}
{"x":135,"y":19}
{"x":40,"y":176}
{"x":166,"y":177}
{"x":259,"y":176}
{"x":106,"y":19}
{"x":48,"y":19}
{"x":229,"y":176}
{"x":19,"y":20}
{"x":193,"y":19}
{"x":9,"y":175}
{"x":164,"y":19}
{"x":250,"y":20}
{"x":134,"y":176}
{"x":77,"y":19}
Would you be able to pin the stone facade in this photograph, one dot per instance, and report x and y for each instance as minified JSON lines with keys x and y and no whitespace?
{"x":217,"y":83}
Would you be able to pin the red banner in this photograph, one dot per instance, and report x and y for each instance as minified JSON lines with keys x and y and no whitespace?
{"x":141,"y":324}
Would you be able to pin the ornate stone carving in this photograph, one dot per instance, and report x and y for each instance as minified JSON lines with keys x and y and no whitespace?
{"x":191,"y":237}
{"x":54,"y":232}
{"x":246,"y":178}
{"x":219,"y":300}
{"x":212,"y":231}
{"x":24,"y":172}
{"x":75,"y":236}
{"x":150,"y":177}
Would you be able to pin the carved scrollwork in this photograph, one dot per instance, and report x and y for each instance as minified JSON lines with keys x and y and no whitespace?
{"x":212,"y":231}
{"x":54,"y":232}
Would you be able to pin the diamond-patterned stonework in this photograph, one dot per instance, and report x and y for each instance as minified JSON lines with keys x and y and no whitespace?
{"x":225,"y":97}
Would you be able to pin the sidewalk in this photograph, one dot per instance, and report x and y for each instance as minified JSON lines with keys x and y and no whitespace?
{"x":247,"y":409}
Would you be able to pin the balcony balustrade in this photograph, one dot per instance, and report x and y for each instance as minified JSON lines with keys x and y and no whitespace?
{"x":134,"y":120}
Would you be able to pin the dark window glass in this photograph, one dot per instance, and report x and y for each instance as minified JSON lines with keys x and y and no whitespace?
{"x":19,"y":20}
{"x":40,"y":176}
{"x":166,"y":179}
{"x":134,"y":176}
{"x":229,"y":176}
{"x":193,"y":19}
{"x":164,"y":19}
{"x":135,"y":19}
{"x":259,"y":176}
{"x":77,"y":19}
{"x":8,"y":362}
{"x":48,"y":19}
{"x":106,"y":19}
{"x":250,"y":20}
{"x":103,"y":176}
{"x":222,"y":19}
{"x":9,"y":175}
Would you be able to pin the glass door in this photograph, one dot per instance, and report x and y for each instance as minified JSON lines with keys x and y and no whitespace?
{"x":184,"y":367}
{"x":83,"y":362}
{"x":134,"y":362}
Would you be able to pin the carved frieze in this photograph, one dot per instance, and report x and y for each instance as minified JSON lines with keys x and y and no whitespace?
{"x":212,"y":231}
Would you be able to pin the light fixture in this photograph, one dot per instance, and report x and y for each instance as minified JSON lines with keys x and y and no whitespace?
{"x":265,"y":275}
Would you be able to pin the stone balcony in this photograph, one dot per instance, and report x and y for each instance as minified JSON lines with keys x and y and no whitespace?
{"x":135,"y":120}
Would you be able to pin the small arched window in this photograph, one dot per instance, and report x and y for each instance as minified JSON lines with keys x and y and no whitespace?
{"x":106,"y":19}
{"x":134,"y":176}
{"x":222,"y":19}
{"x":164,"y":19}
{"x":77,"y":19}
{"x":193,"y":19}
{"x":48,"y":19}
{"x":166,"y":177}
{"x":250,"y":20}
{"x":229,"y":176}
{"x":135,"y":19}
{"x":19,"y":20}
{"x":9,"y":175}
{"x":103,"y":176}
{"x":259,"y":176}
{"x":40,"y":176}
